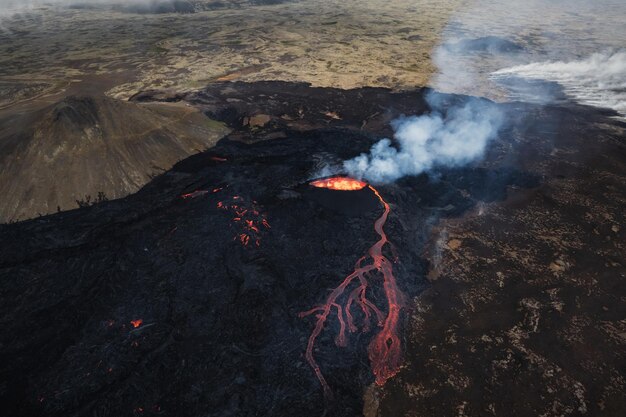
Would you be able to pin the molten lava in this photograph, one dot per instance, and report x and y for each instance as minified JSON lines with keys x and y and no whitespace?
{"x":246,"y":215}
{"x":199,"y":193}
{"x":248,"y":218}
{"x":340,"y":183}
{"x":194,"y":194}
{"x":384,"y":349}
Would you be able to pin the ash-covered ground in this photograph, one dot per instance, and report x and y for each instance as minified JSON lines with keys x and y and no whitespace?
{"x":153,"y":305}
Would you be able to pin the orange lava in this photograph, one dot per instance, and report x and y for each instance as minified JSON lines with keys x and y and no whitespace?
{"x":248,"y":218}
{"x":384,"y":350}
{"x":340,"y":184}
{"x":199,"y":193}
{"x":251,"y":222}
{"x":136,"y":323}
{"x":195,"y":194}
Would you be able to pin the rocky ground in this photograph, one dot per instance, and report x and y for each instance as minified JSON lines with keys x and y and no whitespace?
{"x":53,"y":57}
{"x":150,"y":304}
{"x":525,"y":313}
{"x":120,"y":51}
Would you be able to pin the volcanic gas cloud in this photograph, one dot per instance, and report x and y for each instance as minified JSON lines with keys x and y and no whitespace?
{"x":384,"y":349}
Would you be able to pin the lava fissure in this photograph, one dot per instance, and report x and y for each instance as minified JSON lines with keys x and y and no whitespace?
{"x":249,"y":218}
{"x":247,"y":215}
{"x":384,"y":349}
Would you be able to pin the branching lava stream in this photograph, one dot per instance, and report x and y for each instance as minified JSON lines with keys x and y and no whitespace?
{"x":384,"y":349}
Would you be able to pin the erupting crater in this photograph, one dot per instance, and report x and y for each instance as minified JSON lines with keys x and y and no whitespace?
{"x":340,"y":183}
{"x":384,"y":350}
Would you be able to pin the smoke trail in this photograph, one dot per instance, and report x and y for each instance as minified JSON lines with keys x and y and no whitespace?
{"x":448,"y":137}
{"x":484,"y":37}
{"x":426,"y":142}
{"x":599,"y":80}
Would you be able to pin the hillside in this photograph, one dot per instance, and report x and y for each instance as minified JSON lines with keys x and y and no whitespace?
{"x":82,"y":147}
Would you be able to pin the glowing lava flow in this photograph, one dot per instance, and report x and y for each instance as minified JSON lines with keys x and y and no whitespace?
{"x":384,"y":350}
{"x":248,"y":217}
{"x":340,"y":183}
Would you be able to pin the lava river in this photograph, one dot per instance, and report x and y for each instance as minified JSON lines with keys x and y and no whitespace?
{"x":384,"y":350}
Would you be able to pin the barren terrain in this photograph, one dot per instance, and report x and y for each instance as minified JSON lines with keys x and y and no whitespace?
{"x":152,"y":304}
{"x":327,"y":43}
{"x":164,"y":238}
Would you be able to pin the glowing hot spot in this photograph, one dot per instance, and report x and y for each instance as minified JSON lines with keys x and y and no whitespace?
{"x":248,"y":219}
{"x":340,"y":184}
{"x":195,"y":194}
{"x":136,"y":323}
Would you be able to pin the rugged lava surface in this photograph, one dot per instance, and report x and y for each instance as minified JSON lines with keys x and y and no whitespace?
{"x":154,"y":305}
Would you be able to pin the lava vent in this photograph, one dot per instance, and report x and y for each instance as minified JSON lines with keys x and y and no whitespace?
{"x":343,"y":194}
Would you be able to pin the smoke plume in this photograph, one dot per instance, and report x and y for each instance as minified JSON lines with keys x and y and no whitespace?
{"x":599,"y":80}
{"x":425,"y":142}
{"x":542,"y":40}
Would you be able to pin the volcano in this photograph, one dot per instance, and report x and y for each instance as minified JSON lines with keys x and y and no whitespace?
{"x":172,"y":258}
{"x":153,"y":304}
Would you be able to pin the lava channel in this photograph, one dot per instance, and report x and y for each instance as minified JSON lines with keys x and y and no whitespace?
{"x":384,"y":350}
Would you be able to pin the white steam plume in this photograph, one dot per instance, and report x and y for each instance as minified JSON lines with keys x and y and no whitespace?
{"x":599,"y":80}
{"x":429,"y":141}
{"x":485,"y":36}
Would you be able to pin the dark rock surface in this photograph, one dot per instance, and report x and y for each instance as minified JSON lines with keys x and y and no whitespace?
{"x":298,"y":106}
{"x":524,"y":313}
{"x":220,"y":334}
